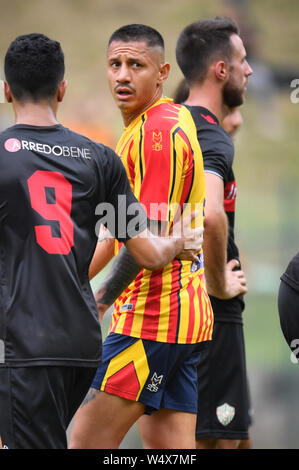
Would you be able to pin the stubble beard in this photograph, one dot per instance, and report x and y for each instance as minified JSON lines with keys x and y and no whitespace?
{"x":232,"y":95}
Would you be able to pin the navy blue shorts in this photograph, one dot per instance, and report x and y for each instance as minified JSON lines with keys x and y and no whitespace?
{"x":159,"y":375}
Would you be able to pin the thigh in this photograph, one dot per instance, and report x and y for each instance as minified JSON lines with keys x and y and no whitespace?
{"x":103,"y":420}
{"x":223,"y":402}
{"x":168,"y":429}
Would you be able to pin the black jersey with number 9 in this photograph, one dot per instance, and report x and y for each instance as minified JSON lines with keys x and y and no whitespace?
{"x":51,"y":181}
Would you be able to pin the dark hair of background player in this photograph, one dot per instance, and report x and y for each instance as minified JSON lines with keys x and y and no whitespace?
{"x":202,"y":42}
{"x":34,"y":67}
{"x":139,"y":33}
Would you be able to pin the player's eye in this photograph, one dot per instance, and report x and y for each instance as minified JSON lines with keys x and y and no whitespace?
{"x":136,"y":65}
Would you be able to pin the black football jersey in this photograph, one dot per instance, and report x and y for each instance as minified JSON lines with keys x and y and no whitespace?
{"x":218,"y":154}
{"x":51,"y":183}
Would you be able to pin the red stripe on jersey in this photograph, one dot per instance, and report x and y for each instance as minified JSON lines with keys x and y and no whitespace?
{"x":210,"y":315}
{"x":188,"y":181}
{"x":157,"y":159}
{"x":124,"y":147}
{"x":201,"y":301}
{"x":174,"y":301}
{"x":151,"y":312}
{"x":129,"y":318}
{"x":130,"y":163}
{"x":191,"y":293}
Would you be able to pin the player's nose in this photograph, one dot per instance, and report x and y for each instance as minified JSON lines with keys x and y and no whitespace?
{"x":248,"y":70}
{"x":123,"y":75}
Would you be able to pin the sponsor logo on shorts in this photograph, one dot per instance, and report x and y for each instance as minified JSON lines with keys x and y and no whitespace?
{"x":155,"y":382}
{"x":225,"y":413}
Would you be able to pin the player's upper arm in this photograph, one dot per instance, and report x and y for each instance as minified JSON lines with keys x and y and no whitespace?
{"x":214,"y":196}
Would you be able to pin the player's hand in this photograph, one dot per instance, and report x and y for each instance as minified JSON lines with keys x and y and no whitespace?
{"x":235,"y":282}
{"x":192,"y":247}
{"x":192,"y":237}
{"x":101,"y":307}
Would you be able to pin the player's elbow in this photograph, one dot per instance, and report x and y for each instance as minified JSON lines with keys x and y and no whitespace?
{"x":214,"y":219}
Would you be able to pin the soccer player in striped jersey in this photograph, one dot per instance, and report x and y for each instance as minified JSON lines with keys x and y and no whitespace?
{"x":163,"y":319}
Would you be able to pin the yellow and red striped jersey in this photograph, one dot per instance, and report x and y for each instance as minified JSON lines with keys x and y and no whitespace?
{"x":163,"y":160}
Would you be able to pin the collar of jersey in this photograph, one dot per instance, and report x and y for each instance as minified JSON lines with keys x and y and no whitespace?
{"x":164,"y":99}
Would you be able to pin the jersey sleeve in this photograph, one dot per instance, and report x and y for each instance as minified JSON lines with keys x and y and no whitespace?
{"x":155,"y":164}
{"x":125,"y":216}
{"x":218,"y":153}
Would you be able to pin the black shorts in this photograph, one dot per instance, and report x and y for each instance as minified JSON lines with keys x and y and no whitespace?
{"x":38,"y":403}
{"x":223,"y":399}
{"x":288,"y":308}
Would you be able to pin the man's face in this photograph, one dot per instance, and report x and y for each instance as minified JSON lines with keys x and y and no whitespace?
{"x":134,"y":75}
{"x":235,"y":87}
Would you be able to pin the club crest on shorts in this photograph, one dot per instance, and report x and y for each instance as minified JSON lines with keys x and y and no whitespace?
{"x":225,"y":413}
{"x":155,"y":382}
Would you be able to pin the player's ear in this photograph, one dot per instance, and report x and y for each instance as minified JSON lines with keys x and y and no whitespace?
{"x":221,"y":69}
{"x":163,"y":72}
{"x":61,"y":90}
{"x":7,"y":93}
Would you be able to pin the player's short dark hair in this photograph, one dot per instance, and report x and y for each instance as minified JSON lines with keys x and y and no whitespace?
{"x":34,"y":66}
{"x":202,"y":42}
{"x":139,"y":33}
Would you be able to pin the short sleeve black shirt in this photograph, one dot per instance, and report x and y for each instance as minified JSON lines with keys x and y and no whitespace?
{"x":218,"y":155}
{"x":51,"y":183}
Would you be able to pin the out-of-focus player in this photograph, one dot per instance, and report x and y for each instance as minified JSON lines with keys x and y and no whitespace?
{"x":162,"y":320}
{"x":212,"y":58}
{"x":51,"y":183}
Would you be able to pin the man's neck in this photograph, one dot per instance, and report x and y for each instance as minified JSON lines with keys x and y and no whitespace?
{"x":210,"y":97}
{"x":35,"y":114}
{"x":130,"y":117}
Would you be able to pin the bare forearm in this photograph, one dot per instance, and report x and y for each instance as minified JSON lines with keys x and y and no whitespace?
{"x":156,"y":252}
{"x":123,"y":272}
{"x":103,"y":254}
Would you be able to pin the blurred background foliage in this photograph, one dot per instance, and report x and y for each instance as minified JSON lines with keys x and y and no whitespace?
{"x":266,"y":168}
